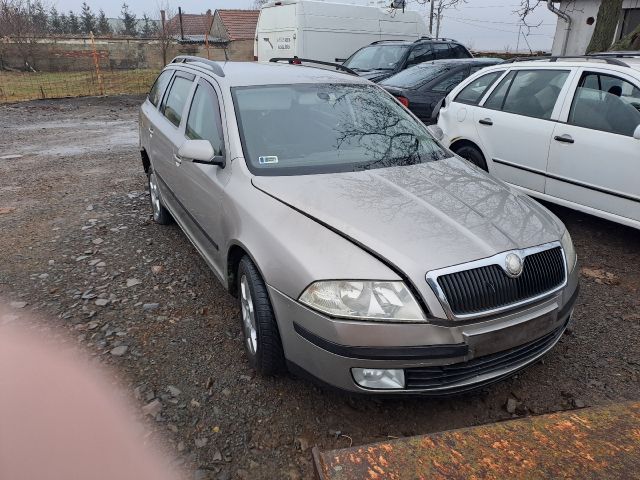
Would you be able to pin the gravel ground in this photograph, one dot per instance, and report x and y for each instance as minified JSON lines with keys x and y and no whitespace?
{"x":78,"y":246}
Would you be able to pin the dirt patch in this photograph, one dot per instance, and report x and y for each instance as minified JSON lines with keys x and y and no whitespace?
{"x":79,"y":247}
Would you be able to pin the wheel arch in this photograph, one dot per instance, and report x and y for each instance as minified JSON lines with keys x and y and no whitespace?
{"x":461,"y":142}
{"x":235,"y":252}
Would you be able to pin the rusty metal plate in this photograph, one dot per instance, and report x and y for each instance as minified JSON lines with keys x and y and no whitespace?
{"x":602,"y":442}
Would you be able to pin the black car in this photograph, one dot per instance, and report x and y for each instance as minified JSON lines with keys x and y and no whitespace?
{"x":385,"y":58}
{"x":422,"y":87}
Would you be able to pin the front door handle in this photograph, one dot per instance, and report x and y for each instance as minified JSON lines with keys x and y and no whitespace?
{"x":151,"y":130}
{"x":178,"y":159}
{"x":486,"y":121}
{"x":564,"y":138}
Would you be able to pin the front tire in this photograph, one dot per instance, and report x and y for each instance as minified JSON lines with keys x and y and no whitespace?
{"x":160,"y":214}
{"x":473,"y":155}
{"x":262,"y":338}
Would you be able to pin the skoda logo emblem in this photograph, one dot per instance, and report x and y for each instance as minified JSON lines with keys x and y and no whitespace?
{"x":513,"y":265}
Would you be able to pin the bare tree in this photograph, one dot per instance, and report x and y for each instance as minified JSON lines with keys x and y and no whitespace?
{"x":606,"y":23}
{"x":258,"y":4}
{"x":22,"y":28}
{"x":166,"y":32}
{"x":437,"y":9}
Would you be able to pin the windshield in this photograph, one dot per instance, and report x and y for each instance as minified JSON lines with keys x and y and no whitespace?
{"x":378,"y":57}
{"x":327,"y":128}
{"x":417,"y":75}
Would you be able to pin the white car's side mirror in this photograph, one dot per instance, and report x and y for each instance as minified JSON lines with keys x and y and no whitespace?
{"x":636,"y":133}
{"x":200,"y":151}
{"x":436,"y":132}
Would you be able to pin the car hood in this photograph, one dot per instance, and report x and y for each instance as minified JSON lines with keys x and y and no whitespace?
{"x":420,"y":217}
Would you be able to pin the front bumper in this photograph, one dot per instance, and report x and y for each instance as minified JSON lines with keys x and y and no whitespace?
{"x":438,"y":359}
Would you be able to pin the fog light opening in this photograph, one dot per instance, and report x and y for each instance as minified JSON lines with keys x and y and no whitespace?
{"x":378,"y":378}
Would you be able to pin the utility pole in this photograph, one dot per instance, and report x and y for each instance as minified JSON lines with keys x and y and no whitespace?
{"x":431,"y":18}
{"x":518,"y":42}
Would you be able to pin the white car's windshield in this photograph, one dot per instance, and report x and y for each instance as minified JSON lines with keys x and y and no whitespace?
{"x":323,"y":128}
{"x":379,"y":57}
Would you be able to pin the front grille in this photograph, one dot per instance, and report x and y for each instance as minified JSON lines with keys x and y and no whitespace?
{"x":447,"y":375}
{"x":489,"y":287}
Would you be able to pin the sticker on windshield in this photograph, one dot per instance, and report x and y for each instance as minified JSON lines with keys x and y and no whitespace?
{"x":267,"y":160}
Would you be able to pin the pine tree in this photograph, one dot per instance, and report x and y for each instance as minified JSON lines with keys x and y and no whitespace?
{"x":129,"y":22}
{"x":87,"y":19}
{"x":64,"y":23}
{"x":55,"y":25}
{"x":73,"y":23}
{"x":103,"y":24}
{"x":39,"y":18}
{"x":148,"y":27}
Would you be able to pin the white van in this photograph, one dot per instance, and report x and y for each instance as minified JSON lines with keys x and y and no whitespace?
{"x":328,"y":31}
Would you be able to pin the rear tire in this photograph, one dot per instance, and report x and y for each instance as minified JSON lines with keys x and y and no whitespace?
{"x":160,"y":214}
{"x":473,"y":155}
{"x":261,"y":335}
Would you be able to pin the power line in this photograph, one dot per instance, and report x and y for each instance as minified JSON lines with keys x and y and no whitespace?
{"x":495,"y":29}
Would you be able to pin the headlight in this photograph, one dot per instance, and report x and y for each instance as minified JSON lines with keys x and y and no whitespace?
{"x":364,"y":300}
{"x":569,"y":251}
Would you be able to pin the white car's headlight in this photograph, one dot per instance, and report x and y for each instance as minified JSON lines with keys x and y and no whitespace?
{"x":364,"y":300}
{"x":569,"y":251}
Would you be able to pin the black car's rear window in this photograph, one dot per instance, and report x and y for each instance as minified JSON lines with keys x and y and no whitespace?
{"x":326,"y":128}
{"x":418,"y":75}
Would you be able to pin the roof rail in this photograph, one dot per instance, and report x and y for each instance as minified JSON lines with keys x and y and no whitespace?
{"x":387,"y":40}
{"x":619,"y":54}
{"x":208,"y":64}
{"x":298,"y":61}
{"x":606,"y":59}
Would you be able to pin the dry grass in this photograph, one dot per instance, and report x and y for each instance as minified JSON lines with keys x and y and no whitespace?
{"x":19,"y":86}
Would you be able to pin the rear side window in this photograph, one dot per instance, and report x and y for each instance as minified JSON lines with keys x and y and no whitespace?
{"x":458,"y":51}
{"x":160,"y":85}
{"x":532,"y":93}
{"x":174,"y":103}
{"x":441,"y":50}
{"x":606,"y":103}
{"x":473,"y":93}
{"x":204,"y":122}
{"x":447,"y":84}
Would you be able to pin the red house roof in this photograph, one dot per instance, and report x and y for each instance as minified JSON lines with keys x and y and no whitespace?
{"x":192,"y":24}
{"x":240,"y":24}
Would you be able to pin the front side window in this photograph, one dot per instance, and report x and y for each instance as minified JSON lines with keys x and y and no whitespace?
{"x":421,"y":53}
{"x":204,"y":121}
{"x":173,"y":105}
{"x":473,"y":93}
{"x":449,"y":83}
{"x":377,"y":57}
{"x":160,"y":85}
{"x":532,"y":93}
{"x":327,"y":128}
{"x":606,"y":103}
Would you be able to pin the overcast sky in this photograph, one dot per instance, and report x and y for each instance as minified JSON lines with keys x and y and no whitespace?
{"x":480,"y":24}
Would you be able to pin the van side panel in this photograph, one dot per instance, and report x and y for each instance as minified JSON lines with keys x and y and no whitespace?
{"x":327,"y":31}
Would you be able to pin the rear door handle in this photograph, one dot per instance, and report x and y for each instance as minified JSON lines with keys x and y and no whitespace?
{"x":178,"y":160}
{"x":564,"y":138}
{"x":150,"y":131}
{"x":486,"y":121}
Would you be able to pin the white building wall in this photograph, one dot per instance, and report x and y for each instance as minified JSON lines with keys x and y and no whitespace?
{"x":580,"y":32}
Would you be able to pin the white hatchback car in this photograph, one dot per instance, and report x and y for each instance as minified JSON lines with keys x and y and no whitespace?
{"x":562,"y":130}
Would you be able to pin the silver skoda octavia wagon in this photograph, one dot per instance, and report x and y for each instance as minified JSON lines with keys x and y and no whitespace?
{"x":362,"y":252}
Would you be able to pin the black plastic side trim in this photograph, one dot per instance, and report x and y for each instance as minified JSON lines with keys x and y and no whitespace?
{"x":384,"y":353}
{"x":567,"y":180}
{"x":193,"y":220}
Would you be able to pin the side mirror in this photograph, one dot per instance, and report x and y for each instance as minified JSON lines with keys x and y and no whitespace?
{"x":636,"y":133}
{"x":200,"y":151}
{"x":436,"y":132}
